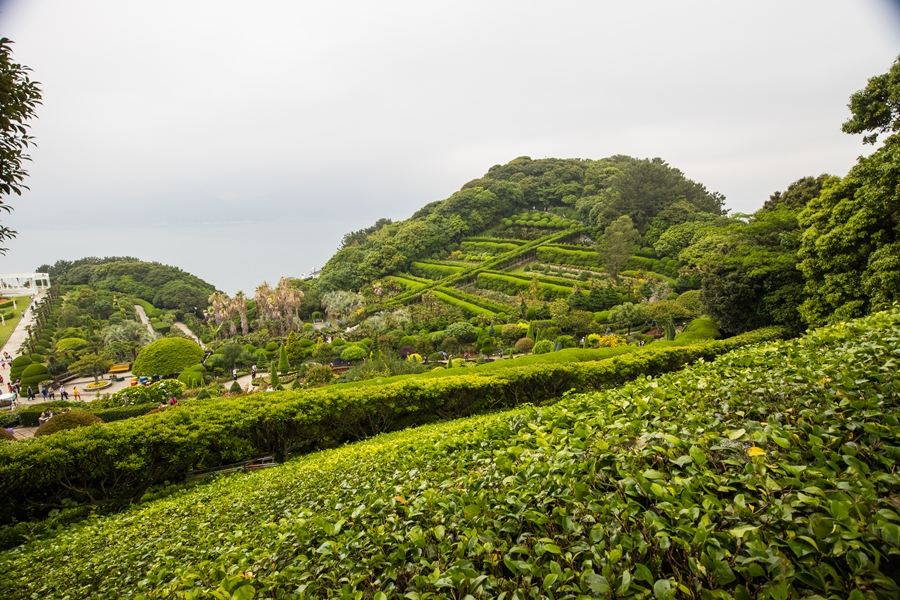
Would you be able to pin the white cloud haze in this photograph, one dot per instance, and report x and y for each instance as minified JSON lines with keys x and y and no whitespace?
{"x":297,"y":122}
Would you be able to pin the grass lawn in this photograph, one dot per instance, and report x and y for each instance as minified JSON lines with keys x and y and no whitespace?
{"x":6,"y":330}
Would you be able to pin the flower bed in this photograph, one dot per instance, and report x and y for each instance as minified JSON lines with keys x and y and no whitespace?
{"x":97,"y":385}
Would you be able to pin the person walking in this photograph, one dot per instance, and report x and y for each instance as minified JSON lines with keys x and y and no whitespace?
{"x":30,"y":393}
{"x":76,"y":393}
{"x":252,"y":373}
{"x":234,"y":373}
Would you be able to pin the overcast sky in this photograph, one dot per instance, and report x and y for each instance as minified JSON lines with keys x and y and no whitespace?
{"x":297,"y":121}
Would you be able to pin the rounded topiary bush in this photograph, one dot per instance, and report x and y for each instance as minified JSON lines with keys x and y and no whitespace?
{"x":235,"y":388}
{"x":18,"y":365}
{"x":542,"y":347}
{"x":524,"y":345}
{"x":167,"y":357}
{"x":35,"y":373}
{"x":70,"y":420}
{"x":5,"y":435}
{"x":271,"y":347}
{"x":354,"y":353}
{"x":203,"y":395}
{"x":191,"y":377}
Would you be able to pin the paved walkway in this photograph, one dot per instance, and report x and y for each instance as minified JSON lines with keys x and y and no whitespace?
{"x":142,"y":315}
{"x":19,"y":334}
{"x":187,"y":331}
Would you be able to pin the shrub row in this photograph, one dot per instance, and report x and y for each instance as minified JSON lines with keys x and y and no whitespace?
{"x":513,"y":285}
{"x":89,"y":465}
{"x":666,"y":266}
{"x":406,"y":281}
{"x":432,"y":270}
{"x":573,"y":258}
{"x":481,"y":301}
{"x":495,"y":240}
{"x":492,"y":248}
{"x":469,"y":308}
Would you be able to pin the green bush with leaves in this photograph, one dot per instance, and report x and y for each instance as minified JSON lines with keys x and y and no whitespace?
{"x":65,"y":421}
{"x":564,"y":256}
{"x":35,"y":374}
{"x":353,"y":353}
{"x":468,"y":308}
{"x":542,"y":347}
{"x":433,"y":271}
{"x":167,"y":356}
{"x":19,"y":364}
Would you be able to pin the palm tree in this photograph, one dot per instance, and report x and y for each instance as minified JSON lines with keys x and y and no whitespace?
{"x":263,"y":306}
{"x":240,"y":302}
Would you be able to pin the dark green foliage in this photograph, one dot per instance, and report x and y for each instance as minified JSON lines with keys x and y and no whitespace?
{"x":433,"y":270}
{"x":203,"y":395}
{"x":319,"y":375}
{"x":463,"y":332}
{"x":6,"y":436}
{"x":167,"y":357}
{"x":235,"y":388}
{"x":69,"y":420}
{"x":876,"y":109}
{"x":19,"y":97}
{"x":572,"y":258}
{"x":163,"y":285}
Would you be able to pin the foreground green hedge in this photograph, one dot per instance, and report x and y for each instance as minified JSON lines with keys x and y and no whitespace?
{"x":120,"y":461}
{"x":768,"y":474}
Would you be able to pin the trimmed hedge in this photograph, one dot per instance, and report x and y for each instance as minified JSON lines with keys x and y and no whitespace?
{"x":432,"y":270}
{"x":165,"y":446}
{"x":492,"y":248}
{"x":407,"y":281}
{"x":167,"y":357}
{"x":66,"y":421}
{"x":573,"y":258}
{"x":513,"y":285}
{"x":468,"y":308}
{"x":476,"y":300}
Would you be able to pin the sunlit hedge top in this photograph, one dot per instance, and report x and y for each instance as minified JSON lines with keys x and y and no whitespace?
{"x":167,"y":357}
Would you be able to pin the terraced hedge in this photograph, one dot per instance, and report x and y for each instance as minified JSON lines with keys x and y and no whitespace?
{"x":481,"y":301}
{"x":767,"y":474}
{"x":433,"y":271}
{"x":120,"y":461}
{"x":407,"y":281}
{"x":573,"y":258}
{"x":512,"y":285}
{"x":472,"y":310}
{"x":492,"y":248}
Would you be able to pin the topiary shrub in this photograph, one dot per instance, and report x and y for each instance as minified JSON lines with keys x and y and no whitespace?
{"x":34,"y":374}
{"x":271,"y":347}
{"x":542,"y":347}
{"x":203,"y":395}
{"x":354,"y":353}
{"x":235,"y":388}
{"x":319,"y":375}
{"x":524,"y":345}
{"x":464,"y":333}
{"x":5,"y":435}
{"x":191,"y":377}
{"x":566,"y":341}
{"x":69,"y":420}
{"x":18,"y":365}
{"x":167,"y":357}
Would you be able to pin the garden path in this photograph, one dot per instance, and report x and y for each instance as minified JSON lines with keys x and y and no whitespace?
{"x":19,"y":334}
{"x":184,"y":328}
{"x":142,"y":315}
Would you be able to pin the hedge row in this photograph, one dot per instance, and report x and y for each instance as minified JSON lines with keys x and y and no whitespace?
{"x":470,"y":309}
{"x":512,"y":285}
{"x":666,"y":266}
{"x":550,"y":279}
{"x":29,"y":415}
{"x":495,"y":240}
{"x":406,"y":282}
{"x":572,"y":258}
{"x":433,"y":271}
{"x":492,"y":248}
{"x":477,"y":300}
{"x":120,"y":461}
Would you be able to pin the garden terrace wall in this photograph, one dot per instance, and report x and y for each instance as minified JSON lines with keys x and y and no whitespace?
{"x":470,"y":309}
{"x":433,"y":271}
{"x":118,"y":462}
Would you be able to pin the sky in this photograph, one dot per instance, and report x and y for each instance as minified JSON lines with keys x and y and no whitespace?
{"x":241,"y":140}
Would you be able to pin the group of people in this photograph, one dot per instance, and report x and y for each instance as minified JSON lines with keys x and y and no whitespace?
{"x":173,"y":401}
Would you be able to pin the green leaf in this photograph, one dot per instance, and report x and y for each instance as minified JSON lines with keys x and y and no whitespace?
{"x":698,"y":456}
{"x":739,"y":532}
{"x":733,"y":436}
{"x":597,"y":583}
{"x":245,"y":592}
{"x":662,"y":590}
{"x":642,"y":573}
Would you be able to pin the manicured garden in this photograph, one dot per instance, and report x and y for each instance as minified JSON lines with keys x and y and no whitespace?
{"x":767,"y":473}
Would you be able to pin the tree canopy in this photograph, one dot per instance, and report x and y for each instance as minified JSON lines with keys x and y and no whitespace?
{"x":19,"y":97}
